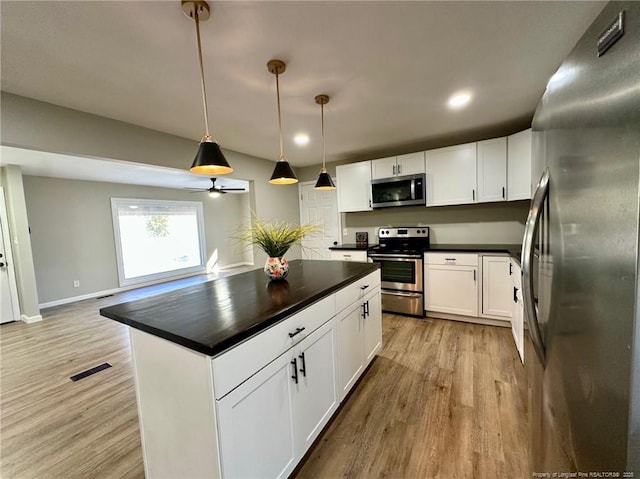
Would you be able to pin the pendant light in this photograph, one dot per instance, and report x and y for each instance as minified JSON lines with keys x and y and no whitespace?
{"x":282,"y":173}
{"x":209,"y":159}
{"x":324,"y":180}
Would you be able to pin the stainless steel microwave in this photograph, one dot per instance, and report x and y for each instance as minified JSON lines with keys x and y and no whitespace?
{"x":398,"y":191}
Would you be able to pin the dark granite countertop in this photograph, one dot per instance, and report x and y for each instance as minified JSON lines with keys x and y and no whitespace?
{"x":214,"y":316}
{"x":514,"y":250}
{"x":352,"y":246}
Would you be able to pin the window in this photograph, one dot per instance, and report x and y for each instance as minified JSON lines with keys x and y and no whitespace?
{"x":157,"y":239}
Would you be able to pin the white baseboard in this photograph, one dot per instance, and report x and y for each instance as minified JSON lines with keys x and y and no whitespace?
{"x":30,"y":319}
{"x":470,"y":319}
{"x":106,"y":292}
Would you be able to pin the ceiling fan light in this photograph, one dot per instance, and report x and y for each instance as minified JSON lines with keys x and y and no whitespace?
{"x":210,"y":161}
{"x":324,"y":182}
{"x":214,"y":194}
{"x":283,"y":174}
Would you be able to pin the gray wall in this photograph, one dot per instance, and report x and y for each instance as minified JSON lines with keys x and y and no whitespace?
{"x":36,"y":125}
{"x":72,"y":231}
{"x":492,"y":223}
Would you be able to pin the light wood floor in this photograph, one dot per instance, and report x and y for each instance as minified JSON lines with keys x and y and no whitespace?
{"x":441,"y":400}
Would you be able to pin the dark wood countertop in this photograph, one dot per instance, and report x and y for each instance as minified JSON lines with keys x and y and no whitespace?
{"x":214,"y":316}
{"x":514,"y":250}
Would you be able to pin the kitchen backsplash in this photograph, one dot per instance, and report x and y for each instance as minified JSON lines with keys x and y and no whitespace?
{"x":491,"y":223}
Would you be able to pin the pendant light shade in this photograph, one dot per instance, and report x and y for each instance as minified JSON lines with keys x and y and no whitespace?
{"x":282,"y":173}
{"x":324,"y":180}
{"x":209,"y":159}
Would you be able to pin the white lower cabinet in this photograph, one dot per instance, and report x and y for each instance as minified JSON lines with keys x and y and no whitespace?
{"x":256,"y":424}
{"x":359,"y":339}
{"x":451,"y":283}
{"x":497,"y":301}
{"x":316,"y":388}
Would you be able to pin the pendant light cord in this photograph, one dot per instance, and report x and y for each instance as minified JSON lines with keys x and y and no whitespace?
{"x":324,"y":169}
{"x":281,"y":157}
{"x":204,"y":90}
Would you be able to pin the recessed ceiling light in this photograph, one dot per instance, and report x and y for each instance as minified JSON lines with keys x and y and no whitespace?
{"x":459,"y":100}
{"x":301,"y":139}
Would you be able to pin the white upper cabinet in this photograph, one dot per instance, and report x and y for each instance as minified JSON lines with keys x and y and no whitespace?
{"x":410,"y":164}
{"x":519,"y":166}
{"x":355,"y":192}
{"x":492,"y":170}
{"x":451,"y":175}
{"x":383,"y":167}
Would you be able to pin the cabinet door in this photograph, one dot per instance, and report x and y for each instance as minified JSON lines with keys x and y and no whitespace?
{"x":517,"y":317}
{"x":383,"y":168}
{"x":350,"y":348}
{"x":372,"y":327}
{"x":317,"y":388}
{"x":256,"y":424}
{"x":519,"y":166}
{"x":492,"y":170}
{"x":451,"y":175}
{"x":451,"y":289}
{"x":354,"y":193}
{"x":410,"y":164}
{"x":497,"y":287}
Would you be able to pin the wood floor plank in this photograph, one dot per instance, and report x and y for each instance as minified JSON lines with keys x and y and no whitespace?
{"x":442,"y":400}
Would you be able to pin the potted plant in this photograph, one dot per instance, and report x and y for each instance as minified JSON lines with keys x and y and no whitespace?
{"x":275,"y":239}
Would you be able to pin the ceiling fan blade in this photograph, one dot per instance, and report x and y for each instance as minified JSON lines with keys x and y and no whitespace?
{"x":232,"y":189}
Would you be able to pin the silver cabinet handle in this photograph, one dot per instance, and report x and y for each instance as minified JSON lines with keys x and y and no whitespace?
{"x":399,"y":168}
{"x":394,"y":170}
{"x":530,"y":231}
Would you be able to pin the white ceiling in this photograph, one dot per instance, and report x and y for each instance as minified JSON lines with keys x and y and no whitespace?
{"x":388,"y":67}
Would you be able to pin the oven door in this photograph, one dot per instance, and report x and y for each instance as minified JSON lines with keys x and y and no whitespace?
{"x":400,"y":272}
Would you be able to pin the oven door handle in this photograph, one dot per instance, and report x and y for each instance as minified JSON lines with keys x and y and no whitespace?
{"x":404,"y":295}
{"x":407,"y":256}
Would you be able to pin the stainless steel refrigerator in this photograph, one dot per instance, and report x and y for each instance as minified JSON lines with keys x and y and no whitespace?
{"x":580,"y":258}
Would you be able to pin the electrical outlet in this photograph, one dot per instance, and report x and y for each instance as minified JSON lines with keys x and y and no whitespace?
{"x":345,"y":232}
{"x":76,"y":283}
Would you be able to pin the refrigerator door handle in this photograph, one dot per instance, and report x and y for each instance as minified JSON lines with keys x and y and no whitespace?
{"x":530,"y":231}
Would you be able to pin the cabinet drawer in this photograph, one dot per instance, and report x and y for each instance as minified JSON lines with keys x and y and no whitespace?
{"x":238,"y":364}
{"x":349,"y":255}
{"x":459,"y":259}
{"x":357,"y":290}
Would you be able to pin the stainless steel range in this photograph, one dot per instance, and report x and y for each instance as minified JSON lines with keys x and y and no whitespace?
{"x":399,"y":253}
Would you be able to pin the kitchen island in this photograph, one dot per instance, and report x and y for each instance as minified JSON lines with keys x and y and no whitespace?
{"x":237,"y":377}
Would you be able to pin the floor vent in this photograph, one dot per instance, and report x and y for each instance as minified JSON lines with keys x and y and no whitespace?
{"x":89,"y":372}
{"x":105,"y":296}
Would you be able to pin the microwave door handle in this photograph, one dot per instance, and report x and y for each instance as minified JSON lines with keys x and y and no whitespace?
{"x":413,"y":189}
{"x":530,"y":232}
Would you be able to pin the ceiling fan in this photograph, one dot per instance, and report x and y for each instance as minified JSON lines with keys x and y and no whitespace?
{"x":215,"y":191}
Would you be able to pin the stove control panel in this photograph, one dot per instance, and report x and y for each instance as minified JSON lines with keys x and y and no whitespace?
{"x":404,"y":232}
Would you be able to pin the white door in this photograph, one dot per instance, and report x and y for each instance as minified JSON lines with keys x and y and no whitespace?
{"x":9,"y":308}
{"x":451,"y":289}
{"x":410,"y":164}
{"x":497,"y":297}
{"x":451,"y":175}
{"x":317,"y":388}
{"x":319,"y":207}
{"x":383,"y":168}
{"x":256,"y":424}
{"x":372,"y":325}
{"x":492,"y":170}
{"x":350,"y":367}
